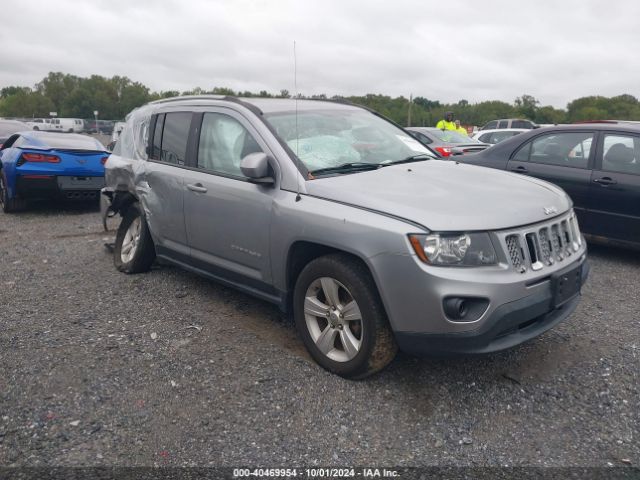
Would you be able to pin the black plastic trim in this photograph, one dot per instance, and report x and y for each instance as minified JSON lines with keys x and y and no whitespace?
{"x":226,"y":277}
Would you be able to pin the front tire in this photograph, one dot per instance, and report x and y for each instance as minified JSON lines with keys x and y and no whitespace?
{"x":134,"y":251}
{"x":341,"y":319}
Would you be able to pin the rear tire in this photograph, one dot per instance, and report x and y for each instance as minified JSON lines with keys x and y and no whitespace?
{"x":134,"y":251}
{"x":341,"y":319}
{"x":9,"y":205}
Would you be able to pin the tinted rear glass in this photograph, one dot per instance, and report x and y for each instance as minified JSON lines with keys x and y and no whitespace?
{"x":157,"y":137}
{"x":521,"y":124}
{"x":175,"y":135}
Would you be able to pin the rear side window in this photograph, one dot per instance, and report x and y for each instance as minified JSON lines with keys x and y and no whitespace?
{"x":566,"y":149}
{"x":170,"y":137}
{"x":621,"y":153}
{"x":156,"y":148}
{"x":423,"y":138}
{"x":521,"y":124}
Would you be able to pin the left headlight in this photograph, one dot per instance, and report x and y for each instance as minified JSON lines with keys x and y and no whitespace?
{"x":457,"y":249}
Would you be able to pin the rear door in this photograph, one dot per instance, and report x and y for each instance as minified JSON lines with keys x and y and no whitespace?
{"x":564,"y":158}
{"x":615,"y":187}
{"x":227,"y":217}
{"x":162,"y":190}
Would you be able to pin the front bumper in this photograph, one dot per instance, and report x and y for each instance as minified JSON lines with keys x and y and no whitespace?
{"x":509,"y":325}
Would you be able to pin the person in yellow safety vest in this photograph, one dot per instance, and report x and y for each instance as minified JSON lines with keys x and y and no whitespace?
{"x":460,"y":129}
{"x":447,"y":122}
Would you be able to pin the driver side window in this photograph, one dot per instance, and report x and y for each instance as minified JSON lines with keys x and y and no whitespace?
{"x":565,"y":149}
{"x":224,"y":142}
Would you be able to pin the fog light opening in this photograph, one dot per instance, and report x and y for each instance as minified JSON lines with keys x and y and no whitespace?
{"x":455,"y":308}
{"x":464,"y":309}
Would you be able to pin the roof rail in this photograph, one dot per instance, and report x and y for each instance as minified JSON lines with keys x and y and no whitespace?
{"x":595,"y":121}
{"x":227,"y":98}
{"x":189,"y":97}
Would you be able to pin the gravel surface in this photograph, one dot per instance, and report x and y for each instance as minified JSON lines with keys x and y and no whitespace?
{"x":165,"y":368}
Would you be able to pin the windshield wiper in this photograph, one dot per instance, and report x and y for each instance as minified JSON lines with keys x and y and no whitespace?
{"x":413,"y":158}
{"x":347,"y":167}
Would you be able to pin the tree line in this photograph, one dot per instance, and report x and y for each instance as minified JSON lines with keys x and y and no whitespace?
{"x":78,"y":97}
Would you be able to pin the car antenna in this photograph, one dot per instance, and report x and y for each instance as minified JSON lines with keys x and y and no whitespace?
{"x":295,"y":92}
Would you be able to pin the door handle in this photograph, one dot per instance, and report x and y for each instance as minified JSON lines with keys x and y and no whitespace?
{"x":520,"y":169}
{"x":605,"y":181}
{"x":196,"y":187}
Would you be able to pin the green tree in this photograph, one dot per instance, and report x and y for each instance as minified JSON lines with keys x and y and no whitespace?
{"x":8,"y":91}
{"x":548,"y":114}
{"x":26,"y":104}
{"x":526,"y":106}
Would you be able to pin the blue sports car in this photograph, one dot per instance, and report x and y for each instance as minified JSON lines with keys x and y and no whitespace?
{"x":44,"y":165}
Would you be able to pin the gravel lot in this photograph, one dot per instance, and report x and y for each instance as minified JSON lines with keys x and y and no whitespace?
{"x":165,"y":368}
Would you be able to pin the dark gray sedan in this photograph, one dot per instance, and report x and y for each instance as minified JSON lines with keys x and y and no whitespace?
{"x":447,"y":142}
{"x":598,"y":165}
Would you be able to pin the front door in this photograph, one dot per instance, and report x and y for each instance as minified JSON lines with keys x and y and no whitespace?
{"x":564,"y":159}
{"x":227,"y":217}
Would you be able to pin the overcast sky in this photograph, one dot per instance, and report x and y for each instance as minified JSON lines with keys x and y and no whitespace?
{"x":442,"y":50}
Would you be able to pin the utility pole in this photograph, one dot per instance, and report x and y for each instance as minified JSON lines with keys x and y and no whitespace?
{"x":409,"y":114}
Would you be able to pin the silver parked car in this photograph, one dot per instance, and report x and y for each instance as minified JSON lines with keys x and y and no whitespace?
{"x":447,"y":142}
{"x":334,"y":213}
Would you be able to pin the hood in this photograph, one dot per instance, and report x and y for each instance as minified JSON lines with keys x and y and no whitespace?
{"x":445,"y":195}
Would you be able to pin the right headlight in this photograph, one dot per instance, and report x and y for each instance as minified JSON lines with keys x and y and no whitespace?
{"x":454,"y":249}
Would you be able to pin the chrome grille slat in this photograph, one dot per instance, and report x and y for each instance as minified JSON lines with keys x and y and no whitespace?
{"x":556,"y":242}
{"x":515,"y":251}
{"x":543,"y":245}
{"x":566,"y":237}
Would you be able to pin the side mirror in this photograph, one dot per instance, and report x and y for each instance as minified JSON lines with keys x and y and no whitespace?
{"x":255,"y":166}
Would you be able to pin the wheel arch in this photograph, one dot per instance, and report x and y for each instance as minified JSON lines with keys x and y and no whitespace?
{"x":121,"y":200}
{"x":302,"y":252}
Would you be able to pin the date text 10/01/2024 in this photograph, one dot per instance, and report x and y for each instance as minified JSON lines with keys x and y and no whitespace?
{"x":315,"y":473}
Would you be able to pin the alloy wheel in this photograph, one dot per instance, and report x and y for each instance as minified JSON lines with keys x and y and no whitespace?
{"x":131,"y":241}
{"x":333,"y":319}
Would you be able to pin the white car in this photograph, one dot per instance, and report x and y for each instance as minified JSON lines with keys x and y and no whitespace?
{"x":44,"y":125}
{"x":497,"y":135}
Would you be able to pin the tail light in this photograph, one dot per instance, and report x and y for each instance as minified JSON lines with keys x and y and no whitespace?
{"x":444,"y":151}
{"x":103,"y":160}
{"x":37,"y":158}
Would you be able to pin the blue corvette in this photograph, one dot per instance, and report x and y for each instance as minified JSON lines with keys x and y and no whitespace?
{"x":44,"y":165}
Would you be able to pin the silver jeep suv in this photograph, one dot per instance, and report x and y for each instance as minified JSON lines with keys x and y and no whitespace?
{"x":336,"y":214}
